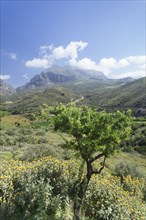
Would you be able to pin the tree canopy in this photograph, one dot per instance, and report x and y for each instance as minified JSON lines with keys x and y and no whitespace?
{"x":92,"y":131}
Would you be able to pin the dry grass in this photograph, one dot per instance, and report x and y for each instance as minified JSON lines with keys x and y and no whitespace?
{"x":9,"y":121}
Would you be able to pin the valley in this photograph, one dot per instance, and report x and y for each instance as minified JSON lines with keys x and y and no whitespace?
{"x":32,"y":151}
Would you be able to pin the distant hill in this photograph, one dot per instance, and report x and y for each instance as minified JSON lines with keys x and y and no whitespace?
{"x":32,"y":101}
{"x":60,"y":75}
{"x":61,"y":84}
{"x":131,"y":94}
{"x":6,"y":89}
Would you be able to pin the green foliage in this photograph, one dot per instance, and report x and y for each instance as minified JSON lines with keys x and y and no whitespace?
{"x":6,"y":155}
{"x":42,"y":190}
{"x":106,"y":199}
{"x":31,"y":102}
{"x":137,"y":140}
{"x":95,"y":134}
{"x":124,"y":169}
{"x":31,"y":116}
{"x":34,"y":190}
{"x":129,"y":95}
{"x":92,"y":131}
{"x":32,"y":152}
{"x":3,"y":113}
{"x":26,"y":143}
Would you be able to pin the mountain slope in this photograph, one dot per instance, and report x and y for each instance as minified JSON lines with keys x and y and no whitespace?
{"x":60,"y":75}
{"x":32,"y":101}
{"x":132,"y":94}
{"x":6,"y":89}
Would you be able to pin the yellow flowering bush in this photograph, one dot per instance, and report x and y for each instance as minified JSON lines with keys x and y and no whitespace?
{"x":108,"y":199}
{"x":38,"y":188}
{"x":43,"y":190}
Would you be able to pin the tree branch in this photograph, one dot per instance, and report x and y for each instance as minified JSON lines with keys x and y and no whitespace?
{"x":96,"y":157}
{"x":101,"y":168}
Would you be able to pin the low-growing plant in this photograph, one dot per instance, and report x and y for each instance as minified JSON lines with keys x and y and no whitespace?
{"x":106,"y":199}
{"x":42,"y":140}
{"x":43,"y":189}
{"x":123,"y":169}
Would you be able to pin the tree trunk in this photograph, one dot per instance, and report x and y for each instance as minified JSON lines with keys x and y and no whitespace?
{"x":77,"y":210}
{"x":81,"y":192}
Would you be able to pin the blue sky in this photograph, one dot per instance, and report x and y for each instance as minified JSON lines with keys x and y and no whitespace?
{"x":106,"y":36}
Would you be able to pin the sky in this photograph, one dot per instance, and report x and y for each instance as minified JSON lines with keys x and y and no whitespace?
{"x":107,"y":36}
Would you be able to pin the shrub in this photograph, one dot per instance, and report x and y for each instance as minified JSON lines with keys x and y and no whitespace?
{"x":123,"y":169}
{"x":106,"y":199}
{"x":2,"y":141}
{"x":10,"y":132}
{"x":25,"y":131}
{"x":30,"y":153}
{"x":40,"y":133}
{"x":44,"y":189}
{"x":42,"y":140}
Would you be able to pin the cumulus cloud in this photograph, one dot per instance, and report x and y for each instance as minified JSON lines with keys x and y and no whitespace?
{"x":111,"y":67}
{"x":84,"y":63}
{"x":49,"y":54}
{"x":37,"y":63}
{"x":143,"y":66}
{"x":133,"y":66}
{"x":13,"y":56}
{"x":134,"y":74}
{"x":4,"y":76}
{"x":136,"y":59}
{"x":111,"y":63}
{"x":105,"y":65}
{"x":71,"y":51}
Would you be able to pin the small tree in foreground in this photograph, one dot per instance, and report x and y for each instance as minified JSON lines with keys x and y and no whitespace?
{"x":95,"y":135}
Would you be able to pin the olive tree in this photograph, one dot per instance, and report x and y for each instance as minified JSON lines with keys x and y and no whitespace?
{"x":95,"y":135}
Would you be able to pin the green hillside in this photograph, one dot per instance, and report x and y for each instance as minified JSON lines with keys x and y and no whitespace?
{"x":131,"y":95}
{"x":103,"y":94}
{"x":25,"y":102}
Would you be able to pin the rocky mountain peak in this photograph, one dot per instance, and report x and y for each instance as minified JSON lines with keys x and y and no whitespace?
{"x":59,"y":75}
{"x":6,"y":89}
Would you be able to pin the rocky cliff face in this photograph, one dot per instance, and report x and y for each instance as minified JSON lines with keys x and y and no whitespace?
{"x":6,"y":89}
{"x":59,"y":75}
{"x":50,"y":77}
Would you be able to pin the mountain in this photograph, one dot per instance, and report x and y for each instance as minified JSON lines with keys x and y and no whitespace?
{"x":125,"y":80}
{"x":61,"y":75}
{"x":61,"y":84}
{"x":101,"y":94}
{"x":33,"y":100}
{"x":129,"y":95}
{"x":6,"y":89}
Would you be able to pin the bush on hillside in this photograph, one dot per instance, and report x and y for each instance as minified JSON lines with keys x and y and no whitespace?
{"x":43,"y":189}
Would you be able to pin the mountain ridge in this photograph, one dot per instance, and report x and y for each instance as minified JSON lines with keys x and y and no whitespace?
{"x":6,"y":89}
{"x":60,"y":75}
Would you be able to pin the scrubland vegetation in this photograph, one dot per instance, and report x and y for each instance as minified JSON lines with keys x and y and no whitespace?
{"x":41,"y":172}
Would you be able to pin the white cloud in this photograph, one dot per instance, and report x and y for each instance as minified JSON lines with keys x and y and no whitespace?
{"x":84,"y":63}
{"x":143,"y":66}
{"x":49,"y":54}
{"x":136,"y":59}
{"x":105,"y":65}
{"x":44,"y":50}
{"x":37,"y":63}
{"x":134,"y":66}
{"x":71,"y":51}
{"x":133,"y":74}
{"x":111,"y":67}
{"x":13,"y":56}
{"x":26,"y":76}
{"x":4,"y":76}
